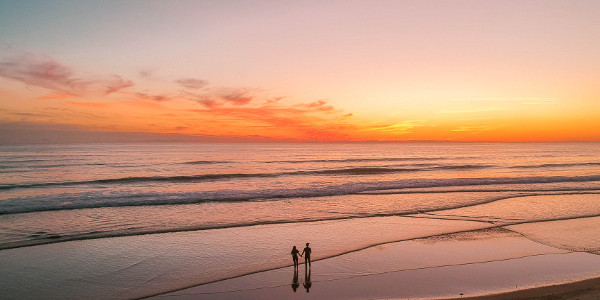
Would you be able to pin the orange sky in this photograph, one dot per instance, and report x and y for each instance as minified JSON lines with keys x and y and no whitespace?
{"x":309,"y":71}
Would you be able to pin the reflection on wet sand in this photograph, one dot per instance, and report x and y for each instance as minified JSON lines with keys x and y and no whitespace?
{"x":295,"y":283}
{"x":307,"y":283}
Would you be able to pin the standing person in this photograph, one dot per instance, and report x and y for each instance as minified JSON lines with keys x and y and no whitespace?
{"x":306,"y":251}
{"x":295,"y":256}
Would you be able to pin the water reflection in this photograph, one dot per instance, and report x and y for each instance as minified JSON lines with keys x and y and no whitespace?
{"x":307,"y":283}
{"x":295,"y":283}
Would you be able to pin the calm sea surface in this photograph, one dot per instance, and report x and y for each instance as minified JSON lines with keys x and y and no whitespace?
{"x":53,"y":193}
{"x":124,"y":221}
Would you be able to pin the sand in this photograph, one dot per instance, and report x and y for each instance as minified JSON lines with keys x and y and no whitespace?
{"x":468,"y":264}
{"x":582,"y":290}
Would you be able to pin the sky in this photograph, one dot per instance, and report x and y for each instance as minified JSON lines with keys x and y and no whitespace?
{"x":304,"y":70}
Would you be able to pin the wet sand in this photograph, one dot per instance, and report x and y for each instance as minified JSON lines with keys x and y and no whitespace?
{"x":468,"y":264}
{"x":488,"y":249}
{"x":526,"y":247}
{"x":583,"y":290}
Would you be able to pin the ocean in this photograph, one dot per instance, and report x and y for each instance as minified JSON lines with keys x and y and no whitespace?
{"x":68,"y":193}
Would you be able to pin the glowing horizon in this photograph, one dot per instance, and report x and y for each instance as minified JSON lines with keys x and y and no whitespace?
{"x":309,"y":71}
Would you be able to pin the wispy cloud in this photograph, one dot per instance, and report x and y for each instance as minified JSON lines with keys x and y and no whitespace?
{"x":223,"y":97}
{"x":90,"y":104}
{"x":530,"y":101}
{"x":236,"y":96}
{"x":396,"y":128}
{"x":473,"y":129}
{"x":56,"y":95}
{"x":470,"y":111}
{"x":190,"y":106}
{"x":317,"y":121}
{"x":113,"y":84}
{"x":157,"y":98}
{"x":45,"y":72}
{"x":192,"y":83}
{"x":320,"y":105}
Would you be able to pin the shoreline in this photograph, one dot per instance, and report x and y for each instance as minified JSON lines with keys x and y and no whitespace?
{"x":384,"y":286}
{"x":435,"y":256}
{"x":480,"y":264}
{"x":583,"y":290}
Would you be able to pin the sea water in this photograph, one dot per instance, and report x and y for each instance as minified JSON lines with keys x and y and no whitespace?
{"x":143,"y":193}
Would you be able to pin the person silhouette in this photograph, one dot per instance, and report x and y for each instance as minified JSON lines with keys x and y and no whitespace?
{"x":307,"y":283}
{"x":295,"y":283}
{"x":306,"y":251}
{"x":295,"y":256}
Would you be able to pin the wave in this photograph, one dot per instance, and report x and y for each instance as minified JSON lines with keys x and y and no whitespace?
{"x":205,"y":162}
{"x":541,"y":166}
{"x":227,"y":176}
{"x":97,"y":199}
{"x":39,"y":167}
{"x":378,"y":159}
{"x":40,"y":238}
{"x":462,"y":167}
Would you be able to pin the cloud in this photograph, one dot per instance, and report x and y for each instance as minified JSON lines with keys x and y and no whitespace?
{"x":473,"y":129}
{"x":45,"y":72}
{"x":237,"y":96}
{"x":157,"y":98}
{"x":397,"y":128}
{"x":146,"y":74}
{"x":224,"y":111}
{"x":90,"y":104}
{"x":192,"y":83}
{"x":56,"y":95}
{"x":319,"y":105}
{"x":305,"y":121}
{"x":42,"y":72}
{"x":209,"y":103}
{"x":114,"y":83}
{"x":470,"y":111}
{"x":274,"y":100}
{"x":530,"y":101}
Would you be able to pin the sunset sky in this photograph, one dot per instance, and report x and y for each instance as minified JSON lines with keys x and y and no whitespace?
{"x":305,"y":70}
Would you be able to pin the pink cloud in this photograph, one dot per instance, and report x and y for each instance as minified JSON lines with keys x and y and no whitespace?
{"x":45,"y":72}
{"x":114,"y":84}
{"x":310,"y":121}
{"x":192,"y":83}
{"x":237,"y":96}
{"x":56,"y":95}
{"x":319,"y":105}
{"x":90,"y":104}
{"x":157,"y":98}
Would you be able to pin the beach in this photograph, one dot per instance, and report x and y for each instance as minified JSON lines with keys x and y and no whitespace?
{"x":188,"y":149}
{"x":493,"y":263}
{"x":431,"y":260}
{"x":384,"y":222}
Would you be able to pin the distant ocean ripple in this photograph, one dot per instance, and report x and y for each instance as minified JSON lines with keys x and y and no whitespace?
{"x":113,"y":199}
{"x":38,"y":179}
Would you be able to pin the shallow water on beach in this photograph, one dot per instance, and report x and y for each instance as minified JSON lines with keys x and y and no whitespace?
{"x":470,"y":263}
{"x":125,"y":221}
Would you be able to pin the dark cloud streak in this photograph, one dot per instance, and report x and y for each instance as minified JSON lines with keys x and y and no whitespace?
{"x":45,"y":72}
{"x":157,"y":98}
{"x":192,"y":83}
{"x":237,"y":97}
